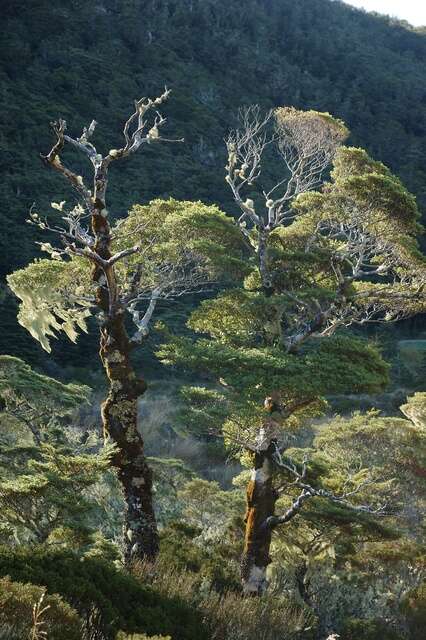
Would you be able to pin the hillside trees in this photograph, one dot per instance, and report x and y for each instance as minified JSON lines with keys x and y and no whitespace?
{"x":342,"y":256}
{"x":119,"y":271}
{"x":327,"y":550}
{"x":47,"y":464}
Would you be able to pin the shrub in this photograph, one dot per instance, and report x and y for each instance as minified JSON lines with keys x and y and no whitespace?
{"x":214,"y":562}
{"x":228,"y":616}
{"x":414,"y":608}
{"x":52,"y":616}
{"x":360,"y":629}
{"x":90,"y":585}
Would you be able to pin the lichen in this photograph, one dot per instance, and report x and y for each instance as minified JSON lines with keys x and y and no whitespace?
{"x":48,"y":291}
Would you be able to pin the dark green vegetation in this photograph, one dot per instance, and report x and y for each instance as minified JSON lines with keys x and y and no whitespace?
{"x":120,"y":601}
{"x":91,"y":59}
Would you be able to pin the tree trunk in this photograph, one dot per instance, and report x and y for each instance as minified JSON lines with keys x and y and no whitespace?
{"x":261,"y":499}
{"x":119,"y":411}
{"x":119,"y":415}
{"x":262,"y":251}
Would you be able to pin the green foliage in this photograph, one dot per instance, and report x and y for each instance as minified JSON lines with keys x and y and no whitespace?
{"x":339,"y":365}
{"x":322,"y":56}
{"x":183,"y":245}
{"x":170,"y":231}
{"x":26,"y":611}
{"x":291,"y":121}
{"x":50,"y":492}
{"x":207,"y":506}
{"x":226,"y":615}
{"x":414,"y":608}
{"x":356,"y":629}
{"x":34,"y":400}
{"x":47,"y":468}
{"x":121,"y":602}
{"x":214,"y":562}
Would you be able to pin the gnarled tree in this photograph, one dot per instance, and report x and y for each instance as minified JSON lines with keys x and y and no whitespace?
{"x":115,"y":271}
{"x":324,"y":260}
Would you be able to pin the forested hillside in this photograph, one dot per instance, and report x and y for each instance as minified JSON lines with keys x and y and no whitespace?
{"x":90,"y":59}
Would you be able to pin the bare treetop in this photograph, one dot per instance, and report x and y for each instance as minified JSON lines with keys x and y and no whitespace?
{"x":304,"y":141}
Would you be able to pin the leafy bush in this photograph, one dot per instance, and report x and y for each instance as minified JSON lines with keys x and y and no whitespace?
{"x":121,"y":602}
{"x":216,"y":564}
{"x":414,"y":608}
{"x":26,"y":606}
{"x":358,"y":629}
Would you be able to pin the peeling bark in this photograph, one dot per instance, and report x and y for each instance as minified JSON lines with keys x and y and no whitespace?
{"x":261,"y":499}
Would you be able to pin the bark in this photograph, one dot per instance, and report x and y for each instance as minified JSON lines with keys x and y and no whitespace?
{"x":262,"y":253}
{"x":119,"y":411}
{"x":119,"y":415}
{"x":261,"y":499}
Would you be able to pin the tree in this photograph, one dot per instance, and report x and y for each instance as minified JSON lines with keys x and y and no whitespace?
{"x":322,"y":260}
{"x":158,"y":252}
{"x":47,"y":467}
{"x":36,"y":401}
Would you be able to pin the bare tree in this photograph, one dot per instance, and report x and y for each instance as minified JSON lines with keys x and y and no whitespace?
{"x":115,"y":271}
{"x":304,"y":143}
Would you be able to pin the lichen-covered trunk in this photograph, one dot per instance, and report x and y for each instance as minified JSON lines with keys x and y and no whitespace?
{"x":262,"y":255}
{"x":261,"y":499}
{"x":119,"y":415}
{"x":119,"y":411}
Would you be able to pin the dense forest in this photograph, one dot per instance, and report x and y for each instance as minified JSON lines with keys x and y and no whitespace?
{"x":213,"y":345}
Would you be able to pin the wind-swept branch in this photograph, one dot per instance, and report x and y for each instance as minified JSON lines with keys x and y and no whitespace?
{"x":308,"y":491}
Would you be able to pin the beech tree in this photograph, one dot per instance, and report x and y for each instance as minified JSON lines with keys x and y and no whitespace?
{"x":45,"y":475}
{"x":323,"y":260}
{"x":117,"y":271}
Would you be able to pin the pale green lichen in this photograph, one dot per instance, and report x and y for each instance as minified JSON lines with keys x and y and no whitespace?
{"x":115,"y":356}
{"x":46,"y":307}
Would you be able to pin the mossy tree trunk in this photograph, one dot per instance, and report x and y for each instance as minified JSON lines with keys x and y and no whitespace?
{"x":119,"y":411}
{"x":119,"y":416}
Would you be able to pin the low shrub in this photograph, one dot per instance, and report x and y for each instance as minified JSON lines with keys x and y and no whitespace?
{"x":414,"y":608}
{"x":215,"y":563}
{"x":26,"y":611}
{"x":108,"y":599}
{"x":360,"y":629}
{"x":228,"y":616}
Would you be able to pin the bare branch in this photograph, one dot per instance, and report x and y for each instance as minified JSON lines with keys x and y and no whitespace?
{"x":308,"y":491}
{"x":53,"y":159}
